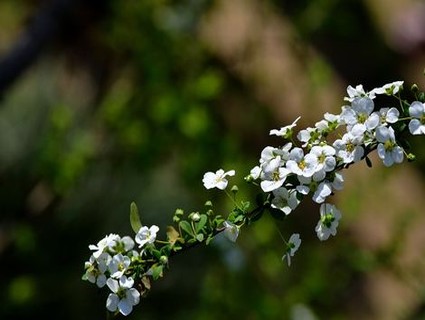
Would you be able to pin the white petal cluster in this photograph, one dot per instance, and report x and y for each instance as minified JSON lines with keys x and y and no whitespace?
{"x":312,"y":165}
{"x":109,"y":263}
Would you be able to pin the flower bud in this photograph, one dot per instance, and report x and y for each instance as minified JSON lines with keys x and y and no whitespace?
{"x":249,"y":178}
{"x":163,"y":259}
{"x":414,"y":88}
{"x":234,"y":189}
{"x":179,"y":212}
{"x":195,"y":216}
{"x":411,"y":157}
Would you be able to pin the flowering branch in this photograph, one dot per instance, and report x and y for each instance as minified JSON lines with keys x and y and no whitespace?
{"x":309,"y":163}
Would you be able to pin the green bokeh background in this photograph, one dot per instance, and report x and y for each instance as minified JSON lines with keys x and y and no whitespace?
{"x":148,"y":96}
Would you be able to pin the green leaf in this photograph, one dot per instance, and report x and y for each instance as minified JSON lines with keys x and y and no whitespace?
{"x":157,"y":271}
{"x":186,"y":227}
{"x":245,"y":205}
{"x":201,"y":223}
{"x":218,"y":220}
{"x":135,"y":222}
{"x":200,"y":237}
{"x":209,"y":239}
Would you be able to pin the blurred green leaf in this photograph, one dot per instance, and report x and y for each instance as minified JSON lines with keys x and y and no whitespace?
{"x":186,"y":227}
{"x":201,"y":223}
{"x":135,"y":221}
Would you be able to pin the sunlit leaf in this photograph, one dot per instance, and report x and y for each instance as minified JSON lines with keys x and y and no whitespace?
{"x":172,"y":235}
{"x":157,"y":271}
{"x":135,"y":222}
{"x":201,"y":223}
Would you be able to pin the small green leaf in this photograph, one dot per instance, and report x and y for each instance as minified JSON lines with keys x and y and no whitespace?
{"x":185,"y":226}
{"x":218,"y":220}
{"x":154,"y":252}
{"x":200,"y":237}
{"x":135,"y":222}
{"x":245,"y":205}
{"x":157,"y":271}
{"x":201,"y":223}
{"x":209,"y":239}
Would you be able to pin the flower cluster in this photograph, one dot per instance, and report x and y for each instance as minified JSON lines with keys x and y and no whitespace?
{"x":311,"y":163}
{"x":110,"y":262}
{"x":307,"y":164}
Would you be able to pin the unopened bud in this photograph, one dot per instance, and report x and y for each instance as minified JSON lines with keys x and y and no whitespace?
{"x":234,"y":189}
{"x":179,"y":212}
{"x":249,"y":178}
{"x":414,"y":88}
{"x":195,"y":216}
{"x":208,"y":203}
{"x":163,"y":259}
{"x":411,"y":157}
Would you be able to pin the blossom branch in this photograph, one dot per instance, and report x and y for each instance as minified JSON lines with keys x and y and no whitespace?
{"x":310,"y":165}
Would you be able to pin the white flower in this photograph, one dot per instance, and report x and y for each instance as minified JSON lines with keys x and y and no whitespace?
{"x":272,"y":157}
{"x":126,"y":243}
{"x":146,"y":235}
{"x":302,"y":165}
{"x":360,"y":112}
{"x":309,"y":136}
{"x":349,"y":147}
{"x":118,"y":265}
{"x":389,"y":115}
{"x":388,"y":150}
{"x":275,"y":179}
{"x":324,"y":189}
{"x":291,"y":247}
{"x":124,"y":296}
{"x":217,"y":180}
{"x":108,"y":242}
{"x":273,"y":174}
{"x":285,"y":132}
{"x":96,"y":268}
{"x":329,"y":220}
{"x":285,"y":200}
{"x":304,"y":186}
{"x":358,"y":92}
{"x":255,"y":172}
{"x":389,"y":88}
{"x":325,"y":156}
{"x":338,"y":181}
{"x":417,"y":111}
{"x":231,"y":231}
{"x":330,"y":122}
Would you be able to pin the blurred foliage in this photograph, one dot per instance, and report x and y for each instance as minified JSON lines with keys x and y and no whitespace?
{"x":137,"y":110}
